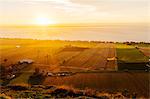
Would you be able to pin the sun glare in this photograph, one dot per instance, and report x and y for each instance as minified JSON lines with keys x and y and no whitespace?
{"x":44,"y":21}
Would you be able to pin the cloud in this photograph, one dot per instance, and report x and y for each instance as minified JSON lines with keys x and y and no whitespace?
{"x":69,"y":6}
{"x":72,"y":9}
{"x":76,"y":10}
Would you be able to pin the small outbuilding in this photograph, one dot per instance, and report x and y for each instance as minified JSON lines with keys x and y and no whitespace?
{"x":18,"y":46}
{"x":50,"y":74}
{"x":111,"y":59}
{"x":28,"y":61}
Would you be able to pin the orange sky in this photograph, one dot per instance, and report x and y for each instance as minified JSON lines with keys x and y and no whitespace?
{"x":28,"y":12}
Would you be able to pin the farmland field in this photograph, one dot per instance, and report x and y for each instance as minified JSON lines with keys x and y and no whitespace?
{"x":133,"y":82}
{"x":96,"y":65}
{"x":93,"y":59}
{"x":145,"y":51}
{"x":131,"y":55}
{"x":130,"y":58}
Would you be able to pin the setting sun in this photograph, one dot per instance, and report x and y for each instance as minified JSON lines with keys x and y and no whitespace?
{"x":44,"y":21}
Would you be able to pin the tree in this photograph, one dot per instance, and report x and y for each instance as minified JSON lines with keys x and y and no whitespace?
{"x":5,"y":60}
{"x":2,"y":70}
{"x":37,"y":70}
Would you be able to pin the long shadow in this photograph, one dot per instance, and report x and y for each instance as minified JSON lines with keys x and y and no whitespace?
{"x":36,"y":79}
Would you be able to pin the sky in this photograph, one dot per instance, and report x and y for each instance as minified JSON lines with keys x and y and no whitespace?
{"x":74,"y":11}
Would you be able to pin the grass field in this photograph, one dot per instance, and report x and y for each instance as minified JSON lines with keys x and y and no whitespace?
{"x":23,"y":78}
{"x":131,"y":55}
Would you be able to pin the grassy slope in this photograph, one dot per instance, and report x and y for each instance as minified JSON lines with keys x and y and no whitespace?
{"x":23,"y":78}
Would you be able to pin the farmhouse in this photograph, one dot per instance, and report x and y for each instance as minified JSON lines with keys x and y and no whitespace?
{"x":18,"y":46}
{"x":28,"y":61}
{"x":111,"y":59}
{"x":50,"y":74}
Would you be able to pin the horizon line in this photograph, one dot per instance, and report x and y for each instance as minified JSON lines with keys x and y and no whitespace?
{"x":77,"y":24}
{"x":74,"y":40}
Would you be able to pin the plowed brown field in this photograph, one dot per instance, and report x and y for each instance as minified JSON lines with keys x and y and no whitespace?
{"x":93,"y":59}
{"x":133,"y":82}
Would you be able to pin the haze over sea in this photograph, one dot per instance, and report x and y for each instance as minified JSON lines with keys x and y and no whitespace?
{"x":123,"y":32}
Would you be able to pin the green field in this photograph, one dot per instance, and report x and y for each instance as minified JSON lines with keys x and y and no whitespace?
{"x":130,"y":55}
{"x":23,"y":78}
